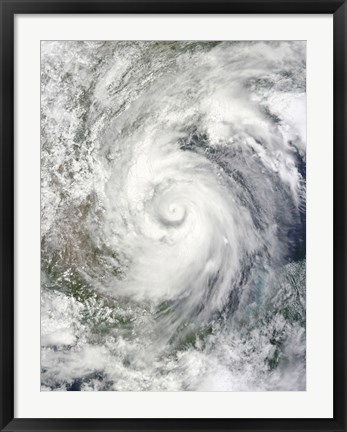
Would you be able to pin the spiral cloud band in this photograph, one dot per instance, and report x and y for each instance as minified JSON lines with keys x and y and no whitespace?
{"x":173,"y":215}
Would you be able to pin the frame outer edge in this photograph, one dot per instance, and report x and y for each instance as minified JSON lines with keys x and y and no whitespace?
{"x":7,"y":421}
{"x":7,"y":217}
{"x":339,"y":207}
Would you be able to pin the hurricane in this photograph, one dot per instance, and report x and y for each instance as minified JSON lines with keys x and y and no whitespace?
{"x":173,"y":215}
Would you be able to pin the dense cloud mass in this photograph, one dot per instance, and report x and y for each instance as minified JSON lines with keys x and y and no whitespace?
{"x":173,"y":179}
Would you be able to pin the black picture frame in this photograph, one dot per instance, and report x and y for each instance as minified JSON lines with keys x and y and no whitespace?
{"x":8,"y":9}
